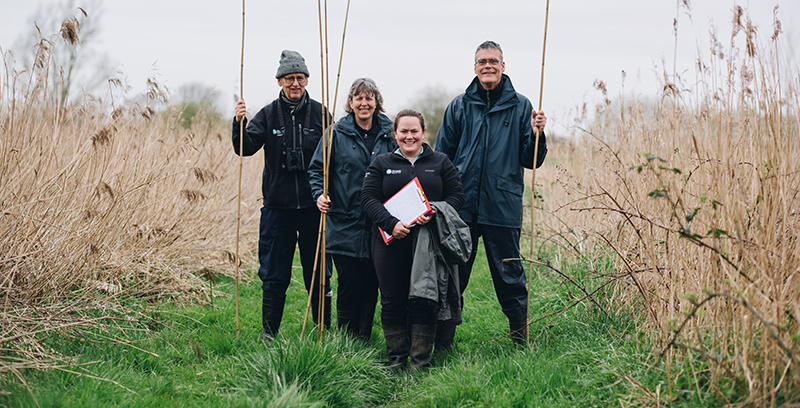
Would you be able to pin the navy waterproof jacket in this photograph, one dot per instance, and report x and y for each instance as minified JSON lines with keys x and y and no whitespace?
{"x":490,"y":148}
{"x":347,"y":229}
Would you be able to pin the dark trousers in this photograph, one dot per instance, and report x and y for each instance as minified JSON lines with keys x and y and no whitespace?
{"x":357,"y":283}
{"x":280,"y":231}
{"x":508,"y":277}
{"x":393,"y":267}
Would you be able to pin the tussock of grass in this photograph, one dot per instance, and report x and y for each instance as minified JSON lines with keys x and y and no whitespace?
{"x":340,"y":371}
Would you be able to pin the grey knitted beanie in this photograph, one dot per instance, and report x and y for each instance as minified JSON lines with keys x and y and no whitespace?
{"x":291,"y":63}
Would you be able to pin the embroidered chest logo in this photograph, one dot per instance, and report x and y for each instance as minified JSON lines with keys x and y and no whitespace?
{"x":390,"y":171}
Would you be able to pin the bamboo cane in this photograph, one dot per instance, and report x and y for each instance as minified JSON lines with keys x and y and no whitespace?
{"x":533,"y":172}
{"x":325,"y":176}
{"x":241,"y":160}
{"x":326,"y":162}
{"x":319,"y":261}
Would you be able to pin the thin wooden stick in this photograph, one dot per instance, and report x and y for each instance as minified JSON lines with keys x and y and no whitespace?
{"x":241,"y":160}
{"x":535,"y":159}
{"x":341,"y":57}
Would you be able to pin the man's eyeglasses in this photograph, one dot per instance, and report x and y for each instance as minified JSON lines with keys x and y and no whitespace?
{"x":301,"y":79}
{"x":482,"y":62}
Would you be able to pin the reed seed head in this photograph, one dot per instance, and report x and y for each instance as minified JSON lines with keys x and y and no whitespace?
{"x":70,"y":28}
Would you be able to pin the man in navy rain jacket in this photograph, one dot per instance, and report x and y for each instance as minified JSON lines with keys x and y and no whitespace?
{"x":487,"y":132}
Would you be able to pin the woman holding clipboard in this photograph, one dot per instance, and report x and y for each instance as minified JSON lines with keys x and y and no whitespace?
{"x":409,"y":326}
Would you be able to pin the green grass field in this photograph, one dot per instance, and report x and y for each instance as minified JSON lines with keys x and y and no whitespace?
{"x":579,"y":359}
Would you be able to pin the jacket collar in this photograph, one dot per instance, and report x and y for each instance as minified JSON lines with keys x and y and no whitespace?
{"x":347,"y":125}
{"x":508,"y":94}
{"x":426,"y":151}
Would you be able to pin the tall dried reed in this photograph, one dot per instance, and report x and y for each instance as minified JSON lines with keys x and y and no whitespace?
{"x":695,"y":195}
{"x":108,"y":201}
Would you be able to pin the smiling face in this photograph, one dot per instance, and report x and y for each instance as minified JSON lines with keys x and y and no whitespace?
{"x":409,"y":135}
{"x":363,"y":106}
{"x":489,"y":67}
{"x":293,"y":86}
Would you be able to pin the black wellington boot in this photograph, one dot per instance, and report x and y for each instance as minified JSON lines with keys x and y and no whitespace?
{"x":271,"y":313}
{"x":315,"y":310}
{"x":422,"y":339}
{"x":397,"y":345}
{"x":365,"y":319}
{"x":445,"y":335}
{"x":519,"y":331}
{"x":347,"y":319}
{"x":327,"y":318}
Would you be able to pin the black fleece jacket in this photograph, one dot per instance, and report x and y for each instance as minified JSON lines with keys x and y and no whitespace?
{"x":282,"y":189}
{"x":390,"y":172}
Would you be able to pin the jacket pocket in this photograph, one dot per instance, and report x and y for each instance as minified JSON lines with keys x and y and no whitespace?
{"x":511,"y":186}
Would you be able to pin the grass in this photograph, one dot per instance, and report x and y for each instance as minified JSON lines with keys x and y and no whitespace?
{"x":577,"y":361}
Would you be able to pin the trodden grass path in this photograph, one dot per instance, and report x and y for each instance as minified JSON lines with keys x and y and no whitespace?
{"x":578,"y":360}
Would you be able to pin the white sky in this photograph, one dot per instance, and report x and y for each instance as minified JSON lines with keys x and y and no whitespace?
{"x":408,"y":45}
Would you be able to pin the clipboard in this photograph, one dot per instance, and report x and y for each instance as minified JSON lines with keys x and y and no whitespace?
{"x":407,"y":205}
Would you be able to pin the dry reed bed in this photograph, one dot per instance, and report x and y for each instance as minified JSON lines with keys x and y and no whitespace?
{"x":696,"y":195}
{"x":102,"y":202}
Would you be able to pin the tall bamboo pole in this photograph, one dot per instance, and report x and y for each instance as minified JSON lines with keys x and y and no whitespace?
{"x":319,"y":261}
{"x":325,"y":182}
{"x":241,"y":160}
{"x":533,"y":173}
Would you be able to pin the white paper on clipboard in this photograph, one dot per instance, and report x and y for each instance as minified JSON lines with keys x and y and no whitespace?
{"x":407,"y":205}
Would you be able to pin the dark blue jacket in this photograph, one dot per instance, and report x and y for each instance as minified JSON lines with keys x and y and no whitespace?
{"x":490,"y":148}
{"x":281,"y":189}
{"x":347,"y":229}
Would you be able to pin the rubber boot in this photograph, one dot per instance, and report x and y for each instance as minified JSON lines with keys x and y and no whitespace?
{"x":347,"y":320}
{"x":327,"y":317}
{"x":365,"y":319}
{"x":397,"y":346}
{"x":271,"y":314}
{"x":315,"y":310}
{"x":519,"y":331}
{"x":422,"y":339}
{"x":445,"y":335}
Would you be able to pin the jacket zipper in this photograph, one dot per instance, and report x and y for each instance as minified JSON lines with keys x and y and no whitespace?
{"x":296,"y":183}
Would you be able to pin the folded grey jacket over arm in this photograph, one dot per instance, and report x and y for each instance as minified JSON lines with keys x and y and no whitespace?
{"x":438,"y":249}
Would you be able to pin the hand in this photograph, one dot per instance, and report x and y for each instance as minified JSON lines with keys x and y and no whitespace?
{"x":400,"y":230}
{"x":240,"y":110}
{"x":538,"y":120}
{"x":423,"y":219}
{"x":324,"y":204}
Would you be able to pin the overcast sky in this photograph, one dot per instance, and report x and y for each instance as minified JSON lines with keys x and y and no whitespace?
{"x":409,"y":45}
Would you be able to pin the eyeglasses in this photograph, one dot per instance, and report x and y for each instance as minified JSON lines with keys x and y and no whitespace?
{"x":301,"y":79}
{"x":482,"y":62}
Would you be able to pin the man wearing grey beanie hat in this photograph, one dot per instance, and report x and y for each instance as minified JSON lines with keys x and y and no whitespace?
{"x":288,"y":130}
{"x":291,"y":63}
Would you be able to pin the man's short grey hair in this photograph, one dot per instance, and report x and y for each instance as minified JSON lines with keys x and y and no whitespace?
{"x":364,"y":85}
{"x":490,"y":45}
